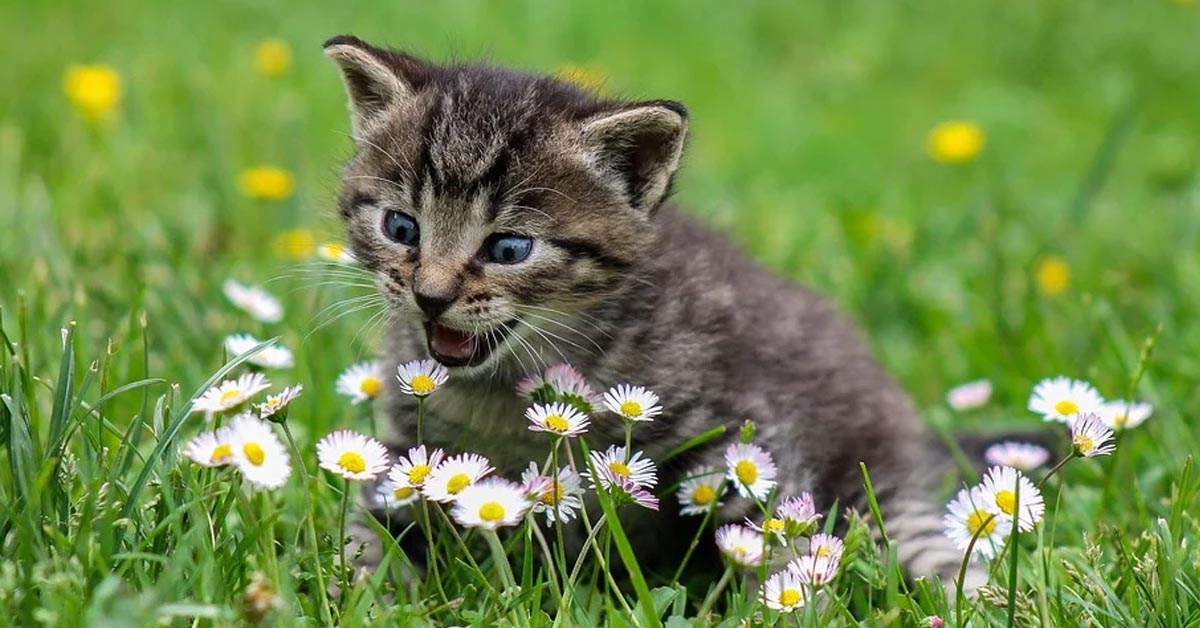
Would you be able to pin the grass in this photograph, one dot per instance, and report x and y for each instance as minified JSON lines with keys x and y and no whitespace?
{"x":808,"y":148}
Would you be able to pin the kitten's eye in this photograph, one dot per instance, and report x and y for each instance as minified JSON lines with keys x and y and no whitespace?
{"x":401,"y":227}
{"x":506,"y":248}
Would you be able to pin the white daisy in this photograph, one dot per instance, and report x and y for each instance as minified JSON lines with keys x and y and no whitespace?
{"x":969,"y":515}
{"x":420,"y":378}
{"x":773,"y":528}
{"x":352,"y":455}
{"x":393,"y":494}
{"x":557,"y":418}
{"x":750,"y":469}
{"x":1022,"y":456}
{"x":231,"y":393}
{"x":611,"y":464}
{"x":275,"y":404}
{"x":827,"y":545}
{"x":413,"y":469}
{"x":969,"y":395}
{"x":1061,"y":398}
{"x":361,"y":381}
{"x":210,"y":449}
{"x":258,"y":452}
{"x":1090,"y":437}
{"x":814,"y":570}
{"x":546,"y":496}
{"x":1122,"y":415}
{"x":697,"y":493}
{"x":490,"y":504}
{"x":334,"y":252}
{"x":253,"y":300}
{"x":1000,"y":494}
{"x":799,"y":514}
{"x":783,"y":591}
{"x":632,"y":403}
{"x":453,"y":475}
{"x":742,"y":546}
{"x":272,"y":357}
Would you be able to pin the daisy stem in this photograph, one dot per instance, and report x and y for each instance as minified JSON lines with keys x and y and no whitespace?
{"x":1061,"y":464}
{"x":628,"y":440}
{"x":715,"y":593}
{"x":708,"y":515}
{"x":554,"y":570}
{"x":591,"y":537}
{"x":1012,"y":565}
{"x":427,"y":527}
{"x":310,"y":527}
{"x":500,"y":558}
{"x":558,"y":527}
{"x":341,"y":540}
{"x":962,"y":570}
{"x":420,"y":420}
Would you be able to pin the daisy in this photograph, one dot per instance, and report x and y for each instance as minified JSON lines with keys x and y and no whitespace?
{"x":560,"y":382}
{"x":1000,"y":494}
{"x":490,"y":504}
{"x":420,"y":378}
{"x":741,"y":546}
{"x":453,"y":475}
{"x":750,"y":469}
{"x":210,"y":449}
{"x":258,"y":452}
{"x":697,"y":493}
{"x":625,"y":491}
{"x":361,"y":381}
{"x":413,"y":470}
{"x":557,"y":418}
{"x":632,"y":403}
{"x":334,"y":252}
{"x":1090,"y":437}
{"x":352,"y":455}
{"x":799,"y":513}
{"x":611,"y":465}
{"x":783,"y":591}
{"x":272,"y":357}
{"x":394,"y":494}
{"x":969,"y":516}
{"x":969,"y":395}
{"x":253,"y":300}
{"x":566,"y":497}
{"x":814,"y":570}
{"x":827,"y":545}
{"x":773,"y":528}
{"x":231,"y":393}
{"x":1122,"y":415}
{"x":1061,"y":398}
{"x":275,"y":404}
{"x":1022,"y":456}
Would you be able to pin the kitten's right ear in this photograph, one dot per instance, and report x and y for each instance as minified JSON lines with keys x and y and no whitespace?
{"x":376,"y":78}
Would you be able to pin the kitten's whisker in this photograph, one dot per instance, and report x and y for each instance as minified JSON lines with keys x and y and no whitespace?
{"x":581,"y":317}
{"x":368,"y":177}
{"x":545,"y":338}
{"x":568,"y":328}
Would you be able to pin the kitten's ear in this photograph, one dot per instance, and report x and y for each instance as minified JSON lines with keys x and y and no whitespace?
{"x":376,"y":78}
{"x":640,"y":145}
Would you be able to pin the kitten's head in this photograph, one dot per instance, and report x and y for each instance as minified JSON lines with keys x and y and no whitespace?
{"x":483,"y":197}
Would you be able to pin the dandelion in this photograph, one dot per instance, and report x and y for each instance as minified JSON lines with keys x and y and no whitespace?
{"x":266,"y":183}
{"x":211,"y":449}
{"x":697,"y":493}
{"x":969,"y":395}
{"x":420,"y":378}
{"x":276,"y":404}
{"x":1122,"y":415}
{"x":588,"y":77}
{"x":413,"y":469}
{"x":352,"y":455}
{"x":814,"y":570}
{"x":742,"y":546}
{"x":272,"y":57}
{"x":968,"y":517}
{"x":1000,"y":494}
{"x":557,"y":418}
{"x":1053,"y":275}
{"x":956,"y":142}
{"x":231,"y":393}
{"x":272,"y":357}
{"x":334,"y":252}
{"x":1060,"y":398}
{"x":258,"y":453}
{"x":1023,"y":456}
{"x":295,"y":243}
{"x":827,"y":545}
{"x":632,"y":403}
{"x":490,"y":504}
{"x":799,"y":514}
{"x":611,"y":465}
{"x":565,"y":496}
{"x":95,"y":90}
{"x":361,"y":382}
{"x":783,"y":591}
{"x":750,"y":469}
{"x":253,"y":300}
{"x":453,"y":475}
{"x":1090,"y":437}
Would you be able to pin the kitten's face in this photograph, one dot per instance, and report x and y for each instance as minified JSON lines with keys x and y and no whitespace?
{"x":488,"y":203}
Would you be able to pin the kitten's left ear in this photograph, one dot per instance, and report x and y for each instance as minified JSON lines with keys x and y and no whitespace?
{"x":376,"y":78}
{"x":639,"y":145}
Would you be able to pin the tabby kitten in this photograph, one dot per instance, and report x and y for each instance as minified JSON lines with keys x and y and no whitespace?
{"x":513,"y":220}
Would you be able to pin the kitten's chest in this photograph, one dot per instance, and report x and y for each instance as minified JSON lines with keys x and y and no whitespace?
{"x":486,"y":421}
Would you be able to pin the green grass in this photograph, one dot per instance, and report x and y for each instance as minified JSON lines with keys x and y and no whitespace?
{"x":808,"y":132}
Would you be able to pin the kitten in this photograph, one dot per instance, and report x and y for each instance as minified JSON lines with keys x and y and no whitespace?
{"x":513,"y":220}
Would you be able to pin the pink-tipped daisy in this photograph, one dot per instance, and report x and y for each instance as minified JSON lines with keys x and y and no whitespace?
{"x":352,"y":455}
{"x":784,"y":592}
{"x":969,"y":395}
{"x":827,"y":545}
{"x":1090,"y":437}
{"x":272,"y":357}
{"x":557,"y":418}
{"x":1123,"y":415}
{"x":231,"y":393}
{"x":1022,"y":456}
{"x":1061,"y":398}
{"x":698,"y":493}
{"x":632,"y":403}
{"x":211,"y":449}
{"x":799,"y":514}
{"x":743,"y":547}
{"x":275,"y":404}
{"x":564,"y":497}
{"x":750,"y":469}
{"x":253,"y":300}
{"x":611,"y":465}
{"x":813,"y":570}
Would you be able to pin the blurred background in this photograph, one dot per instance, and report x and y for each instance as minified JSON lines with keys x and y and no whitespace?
{"x":995,"y":189}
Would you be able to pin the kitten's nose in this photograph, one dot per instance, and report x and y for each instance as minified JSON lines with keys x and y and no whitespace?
{"x":433,"y":304}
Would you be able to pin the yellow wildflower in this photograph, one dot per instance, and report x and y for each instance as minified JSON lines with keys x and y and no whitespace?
{"x":273,"y":57}
{"x":267,"y":183}
{"x":1053,"y":275}
{"x":296,"y":243}
{"x":956,"y":142}
{"x":588,"y":77}
{"x":95,"y":90}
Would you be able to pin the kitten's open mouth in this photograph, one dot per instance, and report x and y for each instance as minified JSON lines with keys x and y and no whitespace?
{"x":454,"y":347}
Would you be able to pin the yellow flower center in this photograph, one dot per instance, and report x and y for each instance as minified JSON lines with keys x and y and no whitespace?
{"x":352,"y":461}
{"x":1120,"y":420}
{"x":94,"y":89}
{"x":231,"y":396}
{"x":1007,"y":501}
{"x":457,"y":483}
{"x":1066,"y":407}
{"x":370,"y":386}
{"x":631,"y":408}
{"x":491,"y":511}
{"x":417,"y":474}
{"x":254,"y":453}
{"x":552,"y":496}
{"x":557,"y":423}
{"x":740,"y":550}
{"x":1053,"y":276}
{"x":619,"y":468}
{"x":956,"y":142}
{"x":403,"y":492}
{"x":746,"y":471}
{"x":422,"y":384}
{"x":221,"y":452}
{"x":703,"y":495}
{"x":823,"y":551}
{"x":331,"y":251}
{"x":1084,"y":443}
{"x":981,"y":520}
{"x":774,"y":525}
{"x":789,"y":597}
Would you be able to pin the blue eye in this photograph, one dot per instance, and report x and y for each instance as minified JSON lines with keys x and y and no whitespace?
{"x":506,"y":248}
{"x":401,"y":227}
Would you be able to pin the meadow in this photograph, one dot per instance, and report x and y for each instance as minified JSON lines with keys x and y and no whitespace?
{"x":1000,"y":191}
